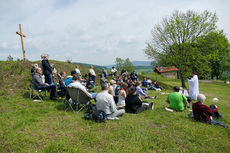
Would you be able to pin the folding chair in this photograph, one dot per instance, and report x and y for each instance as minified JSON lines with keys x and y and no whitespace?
{"x":62,"y":90}
{"x":78,"y":97}
{"x":60,"y":80}
{"x":37,"y":93}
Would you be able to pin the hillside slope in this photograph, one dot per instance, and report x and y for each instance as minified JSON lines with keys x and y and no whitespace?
{"x":16,"y":77}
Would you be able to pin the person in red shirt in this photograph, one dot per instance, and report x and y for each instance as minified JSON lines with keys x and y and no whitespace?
{"x":204,"y":113}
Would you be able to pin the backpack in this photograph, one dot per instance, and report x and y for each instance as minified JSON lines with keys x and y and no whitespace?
{"x":93,"y":114}
{"x":99,"y":116}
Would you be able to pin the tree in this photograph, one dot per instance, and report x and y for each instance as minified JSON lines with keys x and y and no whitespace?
{"x":174,"y":41}
{"x":216,"y":47}
{"x":124,"y":64}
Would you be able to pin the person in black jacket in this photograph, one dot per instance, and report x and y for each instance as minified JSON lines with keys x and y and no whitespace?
{"x":46,"y":69}
{"x":133,"y":103}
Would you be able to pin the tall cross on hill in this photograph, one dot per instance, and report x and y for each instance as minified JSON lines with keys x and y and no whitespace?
{"x":21,"y":35}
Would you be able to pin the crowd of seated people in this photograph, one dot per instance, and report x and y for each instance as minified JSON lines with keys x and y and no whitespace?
{"x":123,"y":93}
{"x":151,"y":85}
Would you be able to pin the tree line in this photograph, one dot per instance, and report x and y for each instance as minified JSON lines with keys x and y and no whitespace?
{"x":191,"y":42}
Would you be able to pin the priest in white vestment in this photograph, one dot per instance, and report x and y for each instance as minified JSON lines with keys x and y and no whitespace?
{"x":193,"y":87}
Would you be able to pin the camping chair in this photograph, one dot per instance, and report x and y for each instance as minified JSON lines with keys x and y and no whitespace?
{"x":78,"y":97}
{"x":61,"y":91}
{"x":60,"y":80}
{"x":37,"y":93}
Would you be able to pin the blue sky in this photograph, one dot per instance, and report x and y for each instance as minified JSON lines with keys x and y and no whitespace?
{"x":91,"y":31}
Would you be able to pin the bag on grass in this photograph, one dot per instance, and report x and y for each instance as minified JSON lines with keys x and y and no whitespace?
{"x":93,"y":114}
{"x":99,"y":116}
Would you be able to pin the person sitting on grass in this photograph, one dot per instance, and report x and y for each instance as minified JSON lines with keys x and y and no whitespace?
{"x":141,"y":92}
{"x":144,"y":82}
{"x":157,"y":86}
{"x":112,"y":87}
{"x":38,"y":83}
{"x":203,"y":113}
{"x":105,"y":102}
{"x":122,"y":94}
{"x":176,"y":100}
{"x":133,"y":103}
{"x":88,"y":82}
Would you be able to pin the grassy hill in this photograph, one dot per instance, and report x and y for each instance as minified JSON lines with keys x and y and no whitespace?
{"x":27,"y":126}
{"x":88,"y":65}
{"x":145,"y":69}
{"x":16,"y":78}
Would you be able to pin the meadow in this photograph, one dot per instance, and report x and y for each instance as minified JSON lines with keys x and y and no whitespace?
{"x":27,"y":126}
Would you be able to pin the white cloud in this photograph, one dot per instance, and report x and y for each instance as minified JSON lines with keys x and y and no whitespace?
{"x":90,"y":31}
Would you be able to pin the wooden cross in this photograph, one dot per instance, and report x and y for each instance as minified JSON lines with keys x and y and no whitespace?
{"x":21,"y":35}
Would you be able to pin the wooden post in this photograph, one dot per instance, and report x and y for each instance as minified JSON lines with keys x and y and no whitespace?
{"x":21,"y":35}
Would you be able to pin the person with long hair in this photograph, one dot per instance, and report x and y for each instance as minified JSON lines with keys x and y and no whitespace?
{"x":122,"y":94}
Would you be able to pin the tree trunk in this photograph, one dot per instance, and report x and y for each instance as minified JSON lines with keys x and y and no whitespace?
{"x":182,"y":80}
{"x":212,"y":76}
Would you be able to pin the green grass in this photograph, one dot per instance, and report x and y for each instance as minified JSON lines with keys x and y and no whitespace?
{"x":27,"y":126}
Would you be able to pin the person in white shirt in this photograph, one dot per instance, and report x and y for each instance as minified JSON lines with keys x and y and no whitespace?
{"x":193,"y":86}
{"x":92,"y":73}
{"x":76,"y":83}
{"x":77,"y":69}
{"x":122,"y":94}
{"x":105,"y":102}
{"x":114,"y":71}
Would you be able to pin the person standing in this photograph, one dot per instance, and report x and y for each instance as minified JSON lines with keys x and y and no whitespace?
{"x":46,"y":69}
{"x":77,"y":69}
{"x":92,"y":73}
{"x":114,"y":72}
{"x":193,"y":86}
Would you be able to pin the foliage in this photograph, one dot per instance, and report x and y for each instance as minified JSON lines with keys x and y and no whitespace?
{"x":173,"y":41}
{"x":216,"y":48}
{"x":124,"y":64}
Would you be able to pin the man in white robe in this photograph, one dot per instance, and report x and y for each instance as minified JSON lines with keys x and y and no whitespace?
{"x":193,"y":87}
